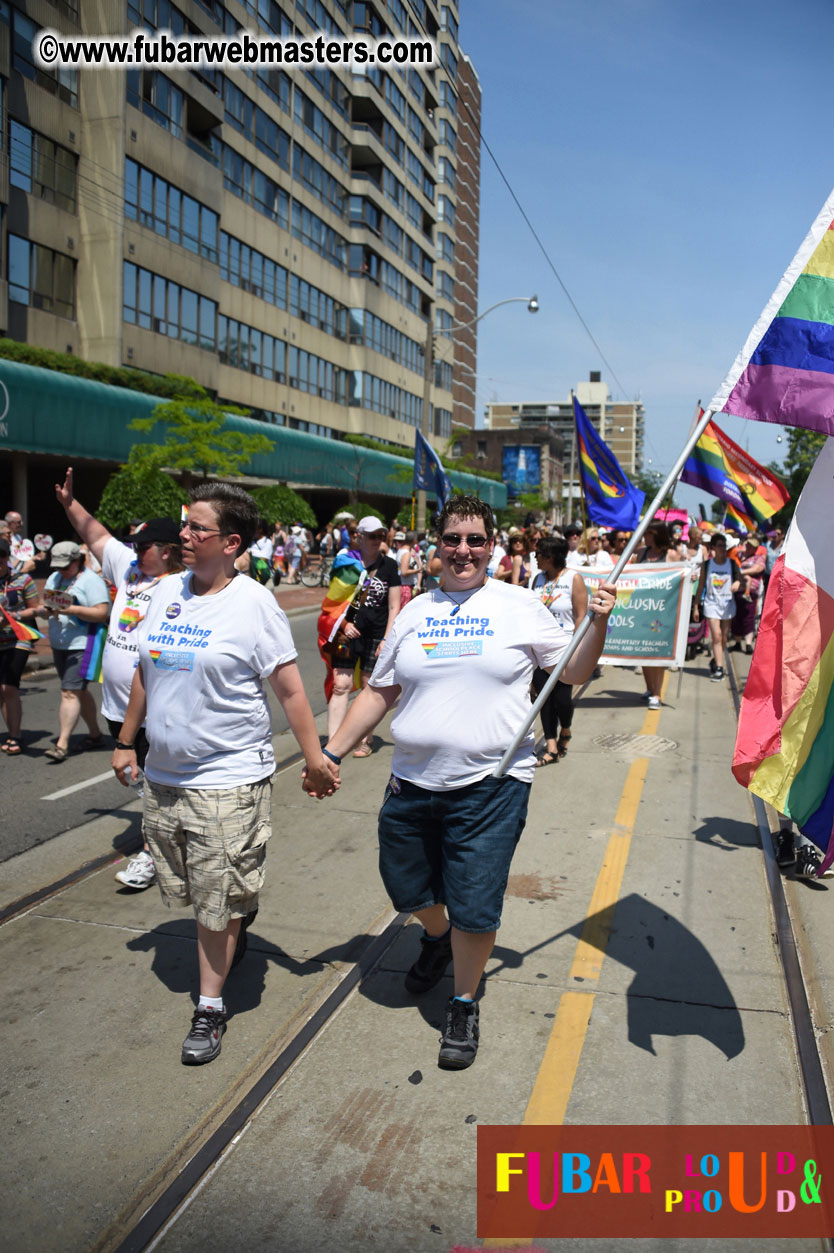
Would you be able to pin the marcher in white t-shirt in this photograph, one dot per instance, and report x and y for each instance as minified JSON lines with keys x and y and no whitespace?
{"x":565,"y":596}
{"x":133,"y":571}
{"x":209,"y":639}
{"x":459,"y":659}
{"x":719,"y":582}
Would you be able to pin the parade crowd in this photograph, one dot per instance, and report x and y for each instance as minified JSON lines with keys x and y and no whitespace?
{"x":456,"y":630}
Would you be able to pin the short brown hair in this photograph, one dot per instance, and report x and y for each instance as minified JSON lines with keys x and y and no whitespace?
{"x":467,"y":507}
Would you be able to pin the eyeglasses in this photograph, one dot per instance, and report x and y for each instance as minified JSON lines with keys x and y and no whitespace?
{"x":471,"y":541}
{"x":199,"y":532}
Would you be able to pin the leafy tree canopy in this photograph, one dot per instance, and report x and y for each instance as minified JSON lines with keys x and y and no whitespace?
{"x":280,"y":504}
{"x":132,"y":494}
{"x":196,"y":439}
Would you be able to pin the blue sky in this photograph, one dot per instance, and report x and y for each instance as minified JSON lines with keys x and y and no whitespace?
{"x":671,"y":157}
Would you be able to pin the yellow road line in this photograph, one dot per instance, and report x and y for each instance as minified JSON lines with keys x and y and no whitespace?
{"x":554,"y":1082}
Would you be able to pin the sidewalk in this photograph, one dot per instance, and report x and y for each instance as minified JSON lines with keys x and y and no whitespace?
{"x":366,"y":1145}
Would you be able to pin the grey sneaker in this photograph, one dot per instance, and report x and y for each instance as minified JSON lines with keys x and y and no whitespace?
{"x":459,"y":1042}
{"x":202,"y":1044}
{"x":430,"y":966}
{"x":808,"y":862}
{"x":139,"y":872}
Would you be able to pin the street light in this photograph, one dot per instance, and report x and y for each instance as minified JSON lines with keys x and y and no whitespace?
{"x":532,"y":303}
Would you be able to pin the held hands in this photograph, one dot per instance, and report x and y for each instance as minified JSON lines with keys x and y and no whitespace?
{"x":122,"y":759}
{"x":320,"y":780}
{"x":64,"y":494}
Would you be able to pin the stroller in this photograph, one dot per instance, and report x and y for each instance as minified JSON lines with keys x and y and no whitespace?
{"x":696,"y":639}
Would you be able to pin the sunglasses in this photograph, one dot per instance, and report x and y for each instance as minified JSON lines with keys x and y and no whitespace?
{"x":471,"y":541}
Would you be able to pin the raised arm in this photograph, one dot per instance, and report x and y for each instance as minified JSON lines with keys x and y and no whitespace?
{"x":92,"y":533}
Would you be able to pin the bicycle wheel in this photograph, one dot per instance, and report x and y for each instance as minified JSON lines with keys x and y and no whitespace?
{"x":311,"y":574}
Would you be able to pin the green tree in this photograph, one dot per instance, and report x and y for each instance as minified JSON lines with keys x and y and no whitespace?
{"x":195,"y":439}
{"x":803,"y":449}
{"x":278,"y":503}
{"x":130,"y":494}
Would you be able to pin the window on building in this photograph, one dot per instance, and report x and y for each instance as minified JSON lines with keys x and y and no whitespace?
{"x":61,"y":83}
{"x":448,"y":99}
{"x":42,"y":167}
{"x":448,"y":22}
{"x":316,"y":234}
{"x":158,"y":98}
{"x":158,"y":304}
{"x":41,"y":278}
{"x":165,"y":209}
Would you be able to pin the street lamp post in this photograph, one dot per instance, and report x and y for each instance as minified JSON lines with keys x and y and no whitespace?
{"x":532,"y":304}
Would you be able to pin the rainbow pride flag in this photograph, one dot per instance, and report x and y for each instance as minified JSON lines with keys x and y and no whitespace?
{"x":785,"y":371}
{"x":785,"y":744}
{"x":25,"y":633}
{"x":344,"y":580}
{"x":610,"y":499}
{"x":719,"y":466}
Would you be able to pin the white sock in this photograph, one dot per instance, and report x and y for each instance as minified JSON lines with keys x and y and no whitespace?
{"x":210,"y":1002}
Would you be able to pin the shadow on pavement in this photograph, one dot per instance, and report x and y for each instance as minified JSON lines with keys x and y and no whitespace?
{"x":677,"y":988}
{"x":733,"y":833}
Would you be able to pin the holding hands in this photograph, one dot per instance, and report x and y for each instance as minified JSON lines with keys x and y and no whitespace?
{"x":322,"y":779}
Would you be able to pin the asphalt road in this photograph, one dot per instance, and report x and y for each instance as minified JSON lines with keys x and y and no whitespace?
{"x":37,"y":800}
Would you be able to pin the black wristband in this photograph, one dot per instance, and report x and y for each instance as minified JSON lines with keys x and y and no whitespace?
{"x":125,"y":747}
{"x":332,"y":756}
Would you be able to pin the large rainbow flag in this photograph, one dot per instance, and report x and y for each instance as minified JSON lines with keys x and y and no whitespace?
{"x":785,"y":744}
{"x":785,"y":371}
{"x":719,"y":466}
{"x":610,"y":499}
{"x":344,"y":580}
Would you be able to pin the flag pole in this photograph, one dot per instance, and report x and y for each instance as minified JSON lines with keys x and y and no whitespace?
{"x":572,"y":464}
{"x":584,"y":626}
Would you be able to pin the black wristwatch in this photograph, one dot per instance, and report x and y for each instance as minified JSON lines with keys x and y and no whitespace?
{"x":125,"y":747}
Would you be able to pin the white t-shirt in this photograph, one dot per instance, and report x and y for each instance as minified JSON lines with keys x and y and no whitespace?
{"x":575,"y":559}
{"x":203,"y":659}
{"x":263,"y":548}
{"x":498,"y":554}
{"x":718,"y":594}
{"x":601,"y":560}
{"x":133,"y":595}
{"x":465,"y":678}
{"x":557,"y":598}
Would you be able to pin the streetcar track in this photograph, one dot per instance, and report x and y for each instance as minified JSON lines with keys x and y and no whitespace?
{"x":808,"y":1054}
{"x":173,"y":1188}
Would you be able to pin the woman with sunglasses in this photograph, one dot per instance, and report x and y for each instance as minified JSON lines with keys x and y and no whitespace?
{"x":459,"y":659}
{"x":134,"y":571}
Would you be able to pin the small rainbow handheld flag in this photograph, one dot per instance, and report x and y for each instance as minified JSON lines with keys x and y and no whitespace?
{"x":25,"y":633}
{"x":344,"y":584}
{"x":610,"y":498}
{"x":719,"y":466}
{"x":785,"y":371}
{"x":89,"y":667}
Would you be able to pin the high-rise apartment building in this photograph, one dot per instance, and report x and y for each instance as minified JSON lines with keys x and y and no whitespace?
{"x":620,"y":424}
{"x":285,"y":237}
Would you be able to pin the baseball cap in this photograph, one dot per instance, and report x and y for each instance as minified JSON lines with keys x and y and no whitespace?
{"x":398,"y":534}
{"x":573,"y":528}
{"x":369,"y":525}
{"x":62,"y":554}
{"x":157,"y":531}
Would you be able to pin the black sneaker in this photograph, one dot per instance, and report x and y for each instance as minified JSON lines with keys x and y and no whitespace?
{"x":202,"y":1044}
{"x":808,"y":862}
{"x":717,"y":674}
{"x":785,"y":854}
{"x":459,"y":1042}
{"x":240,"y":946}
{"x":430,"y":966}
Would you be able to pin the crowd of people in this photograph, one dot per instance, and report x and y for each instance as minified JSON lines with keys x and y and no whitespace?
{"x":442,"y":624}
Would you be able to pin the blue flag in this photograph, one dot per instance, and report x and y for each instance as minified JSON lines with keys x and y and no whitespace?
{"x":610,"y":499}
{"x":428,"y":471}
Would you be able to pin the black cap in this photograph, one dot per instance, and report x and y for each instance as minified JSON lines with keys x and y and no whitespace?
{"x":573,"y":528}
{"x":157,"y":531}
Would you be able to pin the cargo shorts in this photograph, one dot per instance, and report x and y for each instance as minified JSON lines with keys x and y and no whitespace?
{"x":208,"y":846}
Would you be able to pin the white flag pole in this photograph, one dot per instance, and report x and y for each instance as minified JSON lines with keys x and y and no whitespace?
{"x":584,"y":626}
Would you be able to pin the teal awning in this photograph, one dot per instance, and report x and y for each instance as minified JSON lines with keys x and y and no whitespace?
{"x":44,"y":411}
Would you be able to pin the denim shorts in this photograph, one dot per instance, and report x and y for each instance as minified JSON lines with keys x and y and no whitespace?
{"x":452,"y":848}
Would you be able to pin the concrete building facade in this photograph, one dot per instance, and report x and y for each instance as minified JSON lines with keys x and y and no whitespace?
{"x":285,"y":238}
{"x":620,"y":424}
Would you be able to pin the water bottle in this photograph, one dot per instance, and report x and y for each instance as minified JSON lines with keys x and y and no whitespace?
{"x":136,"y":780}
